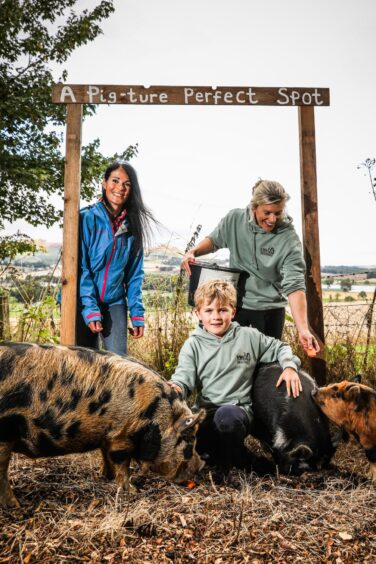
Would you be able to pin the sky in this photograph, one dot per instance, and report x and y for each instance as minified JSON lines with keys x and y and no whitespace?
{"x":197,"y":163}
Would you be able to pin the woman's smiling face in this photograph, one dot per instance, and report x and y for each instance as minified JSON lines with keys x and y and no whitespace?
{"x":268,"y":216}
{"x":117,"y":188}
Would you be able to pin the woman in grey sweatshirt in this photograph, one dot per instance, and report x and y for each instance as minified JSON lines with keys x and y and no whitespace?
{"x":263,"y":243}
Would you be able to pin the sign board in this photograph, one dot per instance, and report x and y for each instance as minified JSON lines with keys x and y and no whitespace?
{"x":189,"y":95}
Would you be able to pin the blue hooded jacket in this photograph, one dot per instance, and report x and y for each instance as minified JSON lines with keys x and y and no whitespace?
{"x":110,"y":273}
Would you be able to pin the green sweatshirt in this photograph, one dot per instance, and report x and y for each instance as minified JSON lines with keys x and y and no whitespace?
{"x":221,"y":369}
{"x":274,"y":261}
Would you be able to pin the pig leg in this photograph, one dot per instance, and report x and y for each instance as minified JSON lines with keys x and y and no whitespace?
{"x":108,"y":468}
{"x":118,"y":456}
{"x":7,"y":498}
{"x":371,"y":457}
{"x":116,"y":464}
{"x":372,"y":471}
{"x":123,"y":476}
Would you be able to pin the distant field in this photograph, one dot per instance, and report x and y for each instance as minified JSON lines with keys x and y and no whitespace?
{"x":332,"y":295}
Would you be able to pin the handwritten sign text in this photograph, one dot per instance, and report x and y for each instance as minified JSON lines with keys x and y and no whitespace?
{"x":189,"y":95}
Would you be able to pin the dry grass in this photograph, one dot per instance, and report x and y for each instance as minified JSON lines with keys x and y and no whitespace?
{"x":68,"y":514}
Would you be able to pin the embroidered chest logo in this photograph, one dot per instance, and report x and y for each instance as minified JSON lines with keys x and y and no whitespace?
{"x":244,"y":358}
{"x":269,"y":252}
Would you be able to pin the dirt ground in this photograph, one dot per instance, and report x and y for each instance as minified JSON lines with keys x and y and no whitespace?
{"x":70,"y":514}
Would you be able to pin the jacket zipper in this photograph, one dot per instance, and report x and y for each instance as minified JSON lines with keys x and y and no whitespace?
{"x":108,"y":266}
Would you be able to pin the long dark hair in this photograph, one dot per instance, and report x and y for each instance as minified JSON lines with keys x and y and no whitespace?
{"x":139,"y":216}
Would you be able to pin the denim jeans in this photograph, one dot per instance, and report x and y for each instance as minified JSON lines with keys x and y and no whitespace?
{"x":114,"y":334}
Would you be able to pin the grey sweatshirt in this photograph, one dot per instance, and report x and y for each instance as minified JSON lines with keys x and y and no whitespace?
{"x":221,"y":369}
{"x":274,"y":260}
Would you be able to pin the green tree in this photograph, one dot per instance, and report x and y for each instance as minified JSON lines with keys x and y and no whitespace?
{"x":346,"y":284}
{"x":13,"y":245}
{"x":35,"y":34}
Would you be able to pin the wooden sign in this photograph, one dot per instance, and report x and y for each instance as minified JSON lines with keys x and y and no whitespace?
{"x":188,"y":95}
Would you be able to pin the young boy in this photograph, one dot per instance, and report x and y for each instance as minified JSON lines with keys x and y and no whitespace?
{"x":218,"y":361}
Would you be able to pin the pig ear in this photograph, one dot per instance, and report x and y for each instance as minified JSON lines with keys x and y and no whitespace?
{"x":185,"y":423}
{"x":352,"y":392}
{"x":359,"y":396}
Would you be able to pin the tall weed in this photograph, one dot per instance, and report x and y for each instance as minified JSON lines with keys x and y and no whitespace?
{"x":168,"y":325}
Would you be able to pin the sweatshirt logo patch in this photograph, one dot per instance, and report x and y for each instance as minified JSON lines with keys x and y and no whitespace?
{"x":244,"y":358}
{"x":269,"y":251}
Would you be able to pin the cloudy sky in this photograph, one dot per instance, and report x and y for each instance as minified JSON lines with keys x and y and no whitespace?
{"x":196,"y":163}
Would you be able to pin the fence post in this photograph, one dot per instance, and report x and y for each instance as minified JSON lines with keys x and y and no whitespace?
{"x":368,"y":318}
{"x":310,"y":226}
{"x":4,"y":318}
{"x":72,"y":181}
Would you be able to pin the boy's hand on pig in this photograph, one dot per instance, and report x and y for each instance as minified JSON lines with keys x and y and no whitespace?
{"x":175,"y":387}
{"x":293,"y":383}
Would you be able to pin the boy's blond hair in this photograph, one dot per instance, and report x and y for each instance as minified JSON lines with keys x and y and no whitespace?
{"x":208,"y":291}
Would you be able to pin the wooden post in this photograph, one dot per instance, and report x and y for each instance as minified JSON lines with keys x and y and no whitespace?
{"x":4,"y":318}
{"x":311,"y":242}
{"x":72,"y":181}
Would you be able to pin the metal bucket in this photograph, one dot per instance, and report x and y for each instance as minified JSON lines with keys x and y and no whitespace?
{"x":202,"y":271}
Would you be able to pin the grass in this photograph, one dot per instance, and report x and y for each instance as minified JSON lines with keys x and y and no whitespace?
{"x":70,"y":514}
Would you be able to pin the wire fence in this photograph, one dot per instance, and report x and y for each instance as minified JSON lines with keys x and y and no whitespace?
{"x":345,"y":316}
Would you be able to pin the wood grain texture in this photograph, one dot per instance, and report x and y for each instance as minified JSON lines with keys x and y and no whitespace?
{"x":311,"y":240}
{"x":72,"y":180}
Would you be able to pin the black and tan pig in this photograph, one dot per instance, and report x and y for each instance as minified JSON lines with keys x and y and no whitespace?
{"x":56,"y":400}
{"x":352,"y":406}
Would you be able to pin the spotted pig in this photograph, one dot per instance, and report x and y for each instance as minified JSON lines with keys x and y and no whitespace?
{"x":352,"y":406}
{"x":56,"y":400}
{"x":294,"y":429}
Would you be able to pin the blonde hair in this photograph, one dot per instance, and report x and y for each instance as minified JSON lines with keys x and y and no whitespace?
{"x":223,"y":290}
{"x":268,"y":192}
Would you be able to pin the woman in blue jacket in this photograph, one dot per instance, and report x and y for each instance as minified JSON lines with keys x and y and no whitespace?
{"x":112,"y":236}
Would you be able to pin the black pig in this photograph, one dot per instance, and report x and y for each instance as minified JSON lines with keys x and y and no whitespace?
{"x":295,"y":430}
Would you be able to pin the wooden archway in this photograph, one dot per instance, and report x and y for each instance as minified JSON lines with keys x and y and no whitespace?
{"x":305,"y":99}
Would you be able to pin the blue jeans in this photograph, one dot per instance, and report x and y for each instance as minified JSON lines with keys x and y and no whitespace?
{"x":114,"y":334}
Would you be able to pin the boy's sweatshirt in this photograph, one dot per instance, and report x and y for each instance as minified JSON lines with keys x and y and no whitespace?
{"x":221,"y":369}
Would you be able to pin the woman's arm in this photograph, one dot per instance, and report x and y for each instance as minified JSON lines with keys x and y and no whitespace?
{"x":133,"y":277}
{"x":298,"y":306}
{"x":205,"y":247}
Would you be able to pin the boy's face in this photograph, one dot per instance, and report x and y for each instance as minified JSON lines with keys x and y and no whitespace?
{"x":215,"y":317}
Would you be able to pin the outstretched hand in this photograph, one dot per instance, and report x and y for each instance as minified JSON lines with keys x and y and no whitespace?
{"x":293,"y":383}
{"x":309,"y":342}
{"x":188,"y":257}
